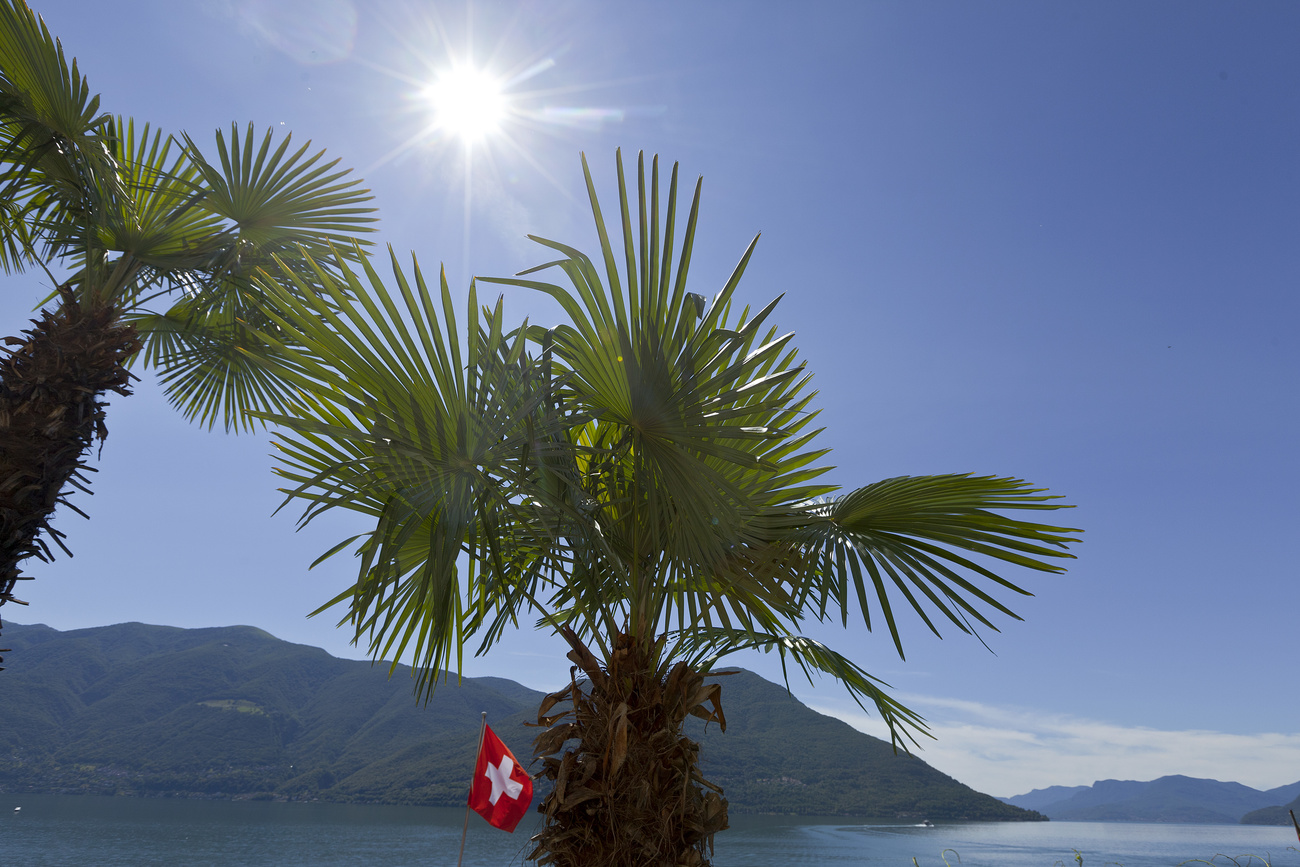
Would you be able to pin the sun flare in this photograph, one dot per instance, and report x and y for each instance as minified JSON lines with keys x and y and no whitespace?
{"x":467,"y":102}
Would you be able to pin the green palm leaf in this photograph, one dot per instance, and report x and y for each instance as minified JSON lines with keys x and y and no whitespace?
{"x":213,"y":361}
{"x":902,"y":534}
{"x":704,"y":648}
{"x":276,"y":201}
{"x":265,"y":207}
{"x":395,"y":418}
{"x":52,"y":137}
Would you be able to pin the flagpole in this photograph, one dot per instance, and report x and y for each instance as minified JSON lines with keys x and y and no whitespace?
{"x":482,"y":728}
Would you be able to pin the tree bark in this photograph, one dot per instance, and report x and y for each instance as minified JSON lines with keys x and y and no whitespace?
{"x":630,"y":793}
{"x":51,"y":413}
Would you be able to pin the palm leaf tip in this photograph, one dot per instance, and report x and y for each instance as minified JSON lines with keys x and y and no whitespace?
{"x":930,"y":540}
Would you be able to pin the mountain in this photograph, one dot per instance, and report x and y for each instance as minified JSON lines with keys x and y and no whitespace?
{"x":778,"y":756}
{"x":235,"y":712}
{"x":1040,"y":798}
{"x":1273,"y":815}
{"x":1168,"y":799}
{"x":1284,"y":793}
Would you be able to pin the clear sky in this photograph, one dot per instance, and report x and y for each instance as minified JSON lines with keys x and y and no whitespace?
{"x":1054,"y":241}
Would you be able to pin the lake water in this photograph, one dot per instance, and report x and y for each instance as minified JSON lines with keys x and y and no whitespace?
{"x":73,"y":831}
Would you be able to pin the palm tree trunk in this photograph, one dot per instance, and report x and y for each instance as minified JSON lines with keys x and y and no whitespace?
{"x":630,"y":793}
{"x":51,"y":413}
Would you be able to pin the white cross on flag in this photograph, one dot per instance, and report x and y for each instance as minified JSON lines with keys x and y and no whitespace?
{"x":502,"y":791}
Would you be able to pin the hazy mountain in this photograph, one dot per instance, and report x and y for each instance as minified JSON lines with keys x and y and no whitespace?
{"x":1282,"y":794}
{"x":235,"y":712}
{"x":1040,"y":798}
{"x":1167,"y":799}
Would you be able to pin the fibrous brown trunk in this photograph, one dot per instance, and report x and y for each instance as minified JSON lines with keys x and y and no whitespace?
{"x":51,"y":412}
{"x":630,"y":793}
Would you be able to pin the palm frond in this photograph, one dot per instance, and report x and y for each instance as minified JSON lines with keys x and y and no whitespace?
{"x":433,"y":438}
{"x":705,"y":648}
{"x":917,"y":536}
{"x":52,"y":138}
{"x":209,"y":232}
{"x":215,"y":362}
{"x":277,"y":202}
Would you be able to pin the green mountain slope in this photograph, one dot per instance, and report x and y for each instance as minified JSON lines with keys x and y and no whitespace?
{"x":234,"y":712}
{"x":777,"y":756}
{"x":1272,"y":815}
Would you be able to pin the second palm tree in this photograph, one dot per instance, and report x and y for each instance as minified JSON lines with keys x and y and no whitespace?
{"x":643,"y":481}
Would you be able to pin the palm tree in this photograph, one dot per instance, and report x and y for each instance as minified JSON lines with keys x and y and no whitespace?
{"x":643,"y":481}
{"x":132,"y":218}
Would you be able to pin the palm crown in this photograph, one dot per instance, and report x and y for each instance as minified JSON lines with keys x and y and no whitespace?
{"x":134,"y":218}
{"x":646,"y":468}
{"x":642,"y":479}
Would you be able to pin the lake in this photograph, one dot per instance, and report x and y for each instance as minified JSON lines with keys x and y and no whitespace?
{"x":72,"y":831}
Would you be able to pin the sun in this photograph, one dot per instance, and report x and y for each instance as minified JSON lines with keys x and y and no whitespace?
{"x":468,"y":103}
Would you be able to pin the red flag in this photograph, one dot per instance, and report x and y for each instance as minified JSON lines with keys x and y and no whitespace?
{"x":502,"y":791}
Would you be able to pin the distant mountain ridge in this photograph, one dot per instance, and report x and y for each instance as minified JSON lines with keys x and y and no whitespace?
{"x":1040,"y":798}
{"x":1173,"y":798}
{"x":235,"y":712}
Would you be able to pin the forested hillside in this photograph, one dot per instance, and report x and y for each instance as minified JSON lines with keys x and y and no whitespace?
{"x":235,"y":712}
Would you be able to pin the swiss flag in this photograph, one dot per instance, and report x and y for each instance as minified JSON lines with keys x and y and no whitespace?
{"x":502,"y":791}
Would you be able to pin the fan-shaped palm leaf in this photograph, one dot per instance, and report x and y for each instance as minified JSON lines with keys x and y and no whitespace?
{"x":432,"y":437}
{"x":52,"y":134}
{"x":264,"y":207}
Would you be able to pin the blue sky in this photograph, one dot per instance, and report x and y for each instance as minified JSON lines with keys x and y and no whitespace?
{"x":1054,"y":241}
